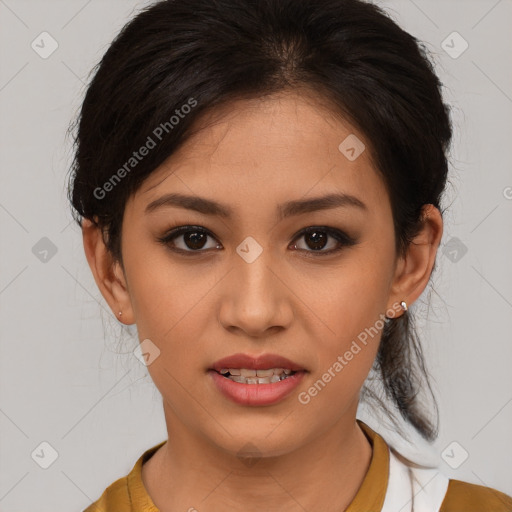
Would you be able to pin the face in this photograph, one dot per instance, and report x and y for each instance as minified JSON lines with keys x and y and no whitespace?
{"x":244,"y":277}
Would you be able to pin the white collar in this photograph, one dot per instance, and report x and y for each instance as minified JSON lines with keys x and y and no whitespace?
{"x":413,"y":489}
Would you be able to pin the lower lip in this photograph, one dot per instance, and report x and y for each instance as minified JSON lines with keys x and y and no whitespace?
{"x":256,"y":394}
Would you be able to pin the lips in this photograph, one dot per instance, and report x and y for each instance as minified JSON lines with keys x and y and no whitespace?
{"x":261,"y":362}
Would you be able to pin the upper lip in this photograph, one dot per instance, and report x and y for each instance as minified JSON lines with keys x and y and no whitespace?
{"x":261,"y":362}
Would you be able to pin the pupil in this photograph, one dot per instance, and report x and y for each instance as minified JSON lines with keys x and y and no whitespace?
{"x":195,"y":240}
{"x":318,"y":238}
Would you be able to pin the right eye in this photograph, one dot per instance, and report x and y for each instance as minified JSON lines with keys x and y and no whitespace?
{"x":190,"y":239}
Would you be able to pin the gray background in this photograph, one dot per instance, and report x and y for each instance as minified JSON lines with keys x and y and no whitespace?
{"x":61,"y":379}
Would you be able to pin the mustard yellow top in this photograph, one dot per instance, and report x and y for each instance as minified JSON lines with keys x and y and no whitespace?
{"x":128,"y":494}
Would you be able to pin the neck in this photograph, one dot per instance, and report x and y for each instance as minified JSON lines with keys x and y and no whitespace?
{"x":189,"y":473}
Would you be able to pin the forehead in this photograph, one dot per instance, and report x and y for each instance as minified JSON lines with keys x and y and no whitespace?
{"x":268,"y":150}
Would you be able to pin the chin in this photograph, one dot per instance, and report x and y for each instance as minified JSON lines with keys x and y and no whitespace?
{"x":259,"y":441}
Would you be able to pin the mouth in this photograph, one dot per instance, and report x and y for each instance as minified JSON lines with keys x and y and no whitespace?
{"x":248,"y":369}
{"x":252,"y":376}
{"x":256,"y":382}
{"x":259,"y":380}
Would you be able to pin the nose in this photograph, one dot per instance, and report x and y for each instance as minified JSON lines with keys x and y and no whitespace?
{"x":255,"y":299}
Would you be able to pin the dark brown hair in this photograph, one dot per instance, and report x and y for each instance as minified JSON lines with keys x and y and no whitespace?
{"x":211,"y":52}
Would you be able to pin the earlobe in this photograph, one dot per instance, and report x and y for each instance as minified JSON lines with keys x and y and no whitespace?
{"x":107,"y":272}
{"x":415,"y":267}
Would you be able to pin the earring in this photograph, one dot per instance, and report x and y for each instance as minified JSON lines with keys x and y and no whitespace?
{"x":403,"y":305}
{"x":120,"y":313}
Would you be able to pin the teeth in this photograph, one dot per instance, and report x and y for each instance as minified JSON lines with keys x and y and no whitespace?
{"x":257,"y":380}
{"x":265,"y":373}
{"x":250,"y":376}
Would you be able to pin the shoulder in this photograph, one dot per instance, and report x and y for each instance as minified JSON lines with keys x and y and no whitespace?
{"x":115,"y":497}
{"x":127,"y":493}
{"x":465,"y":497}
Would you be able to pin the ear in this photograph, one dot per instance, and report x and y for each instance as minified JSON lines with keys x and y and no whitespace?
{"x":107,"y":272}
{"x":413,"y":269}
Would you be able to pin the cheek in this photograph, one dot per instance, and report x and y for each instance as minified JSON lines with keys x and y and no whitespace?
{"x":351,"y":296}
{"x":352,"y":305}
{"x":164,"y":295}
{"x":344,"y":358}
{"x":357,"y":325}
{"x":169,"y":303}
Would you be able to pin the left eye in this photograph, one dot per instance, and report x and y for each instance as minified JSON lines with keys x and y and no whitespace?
{"x":316,"y":239}
{"x":193,"y":239}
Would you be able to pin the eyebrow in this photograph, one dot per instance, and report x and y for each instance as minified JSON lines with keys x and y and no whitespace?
{"x":288,"y":209}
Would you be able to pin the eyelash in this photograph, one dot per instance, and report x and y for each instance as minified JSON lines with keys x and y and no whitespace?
{"x":343,"y":239}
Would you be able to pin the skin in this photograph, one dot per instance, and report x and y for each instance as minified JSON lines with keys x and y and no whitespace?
{"x":252,"y":155}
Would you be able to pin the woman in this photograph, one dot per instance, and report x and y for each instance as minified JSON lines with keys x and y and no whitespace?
{"x":258,"y":186}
